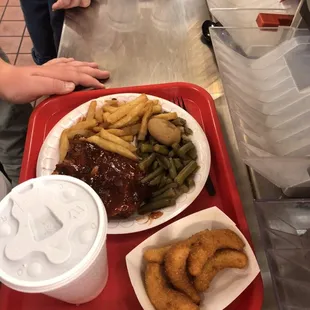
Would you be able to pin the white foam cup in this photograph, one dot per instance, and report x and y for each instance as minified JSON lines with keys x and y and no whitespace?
{"x":53,"y":239}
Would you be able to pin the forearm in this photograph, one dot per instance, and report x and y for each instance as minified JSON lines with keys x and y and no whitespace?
{"x":4,"y":70}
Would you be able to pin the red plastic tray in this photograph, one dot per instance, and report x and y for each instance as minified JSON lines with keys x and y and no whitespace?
{"x":119,"y":294}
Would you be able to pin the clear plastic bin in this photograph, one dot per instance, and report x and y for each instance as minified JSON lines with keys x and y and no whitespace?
{"x":287,"y":100}
{"x":285,"y":231}
{"x":292,"y":141}
{"x":292,"y":116}
{"x":268,"y":97}
{"x":264,"y":4}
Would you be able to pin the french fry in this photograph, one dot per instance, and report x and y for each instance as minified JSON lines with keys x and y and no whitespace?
{"x":119,"y":124}
{"x":131,"y":115}
{"x":127,"y":138}
{"x":100,"y":126}
{"x":91,"y":111}
{"x":104,"y":125}
{"x":81,"y":132}
{"x":63,"y":146}
{"x":126,"y":131}
{"x":157,"y":109}
{"x":109,"y":108}
{"x":167,"y":116}
{"x":145,"y":119}
{"x":125,"y":109}
{"x":98,"y":116}
{"x":117,"y":132}
{"x":112,"y":147}
{"x":105,"y":116}
{"x":134,"y":121}
{"x":113,"y":102}
{"x":84,"y":125}
{"x":97,"y":129}
{"x":109,"y":137}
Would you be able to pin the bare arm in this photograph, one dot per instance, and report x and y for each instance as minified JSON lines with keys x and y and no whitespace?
{"x":59,"y":76}
{"x":68,"y":4}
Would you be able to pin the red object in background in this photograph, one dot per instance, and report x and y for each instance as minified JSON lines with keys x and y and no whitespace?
{"x":119,"y":294}
{"x":273,"y":20}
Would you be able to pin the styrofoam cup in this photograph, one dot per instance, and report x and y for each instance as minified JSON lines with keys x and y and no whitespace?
{"x":53,"y":239}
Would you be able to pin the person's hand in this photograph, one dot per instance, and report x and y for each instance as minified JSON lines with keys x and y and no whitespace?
{"x":68,"y":4}
{"x":58,"y":76}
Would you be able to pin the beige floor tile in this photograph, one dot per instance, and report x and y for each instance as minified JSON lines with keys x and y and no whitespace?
{"x":9,"y":28}
{"x":3,"y":2}
{"x":14,"y":3}
{"x":24,"y":60}
{"x":26,"y":33}
{"x":26,"y":45}
{"x":10,"y":44}
{"x":1,"y":10}
{"x":12,"y":58}
{"x":13,"y":13}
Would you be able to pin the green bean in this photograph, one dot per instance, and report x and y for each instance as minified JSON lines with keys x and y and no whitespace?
{"x":183,"y":120}
{"x":181,"y":129}
{"x":146,"y":148}
{"x":161,"y":149}
{"x":178,"y":164}
{"x":184,"y":189}
{"x":175,"y":146}
{"x":169,"y":180}
{"x":163,"y":160}
{"x":185,"y":148}
{"x":155,"y":164}
{"x":190,"y":182}
{"x":186,"y":172}
{"x":152,"y":175}
{"x":179,"y":122}
{"x":162,"y":181}
{"x":188,"y":131}
{"x":172,"y":169}
{"x":155,"y":205}
{"x":193,"y":153}
{"x":170,"y":193}
{"x":144,"y":155}
{"x":186,"y":162}
{"x":162,"y":190}
{"x":186,"y":138}
{"x":147,"y":162}
{"x":152,"y":140}
{"x":171,"y":154}
{"x":156,"y":180}
{"x":161,"y":164}
{"x":178,"y":192}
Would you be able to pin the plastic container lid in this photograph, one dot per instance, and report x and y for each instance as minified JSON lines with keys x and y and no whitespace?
{"x":51,"y":229}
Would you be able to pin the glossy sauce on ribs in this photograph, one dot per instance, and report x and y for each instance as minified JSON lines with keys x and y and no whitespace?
{"x":116,"y":179}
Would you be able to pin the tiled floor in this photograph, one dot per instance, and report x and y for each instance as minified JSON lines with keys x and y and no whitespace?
{"x":14,"y":37}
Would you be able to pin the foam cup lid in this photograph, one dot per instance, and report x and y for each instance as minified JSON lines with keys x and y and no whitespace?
{"x":50,"y":229}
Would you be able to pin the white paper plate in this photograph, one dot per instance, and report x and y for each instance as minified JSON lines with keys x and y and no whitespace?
{"x":49,"y":156}
{"x":225,"y":287}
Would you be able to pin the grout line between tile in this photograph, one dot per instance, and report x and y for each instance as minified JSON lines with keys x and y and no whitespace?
{"x":20,"y":44}
{"x":3,"y":13}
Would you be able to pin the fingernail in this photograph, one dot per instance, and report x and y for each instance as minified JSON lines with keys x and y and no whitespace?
{"x":69,"y":86}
